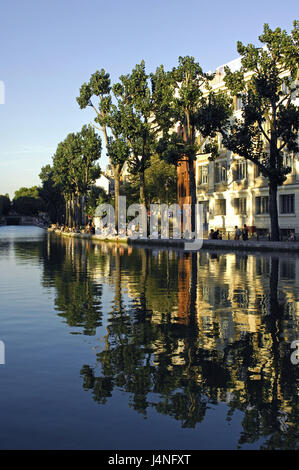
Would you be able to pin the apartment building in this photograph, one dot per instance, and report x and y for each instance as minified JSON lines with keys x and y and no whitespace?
{"x":232,"y":189}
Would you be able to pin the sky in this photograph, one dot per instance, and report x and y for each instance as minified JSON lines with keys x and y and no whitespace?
{"x":48,"y":49}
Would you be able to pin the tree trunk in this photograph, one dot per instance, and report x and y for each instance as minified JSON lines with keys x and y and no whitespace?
{"x":142,"y":188}
{"x":70,"y":220}
{"x":116,"y":172}
{"x":81,"y":205}
{"x":73,"y":211}
{"x":192,"y":192}
{"x":66,"y":202}
{"x":76,"y":210}
{"x":68,"y":215}
{"x":273,"y":212}
{"x":79,"y":210}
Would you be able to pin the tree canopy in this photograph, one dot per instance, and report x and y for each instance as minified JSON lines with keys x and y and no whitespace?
{"x":267,"y":84}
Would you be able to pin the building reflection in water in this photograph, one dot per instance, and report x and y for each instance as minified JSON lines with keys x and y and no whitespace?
{"x":187,"y":330}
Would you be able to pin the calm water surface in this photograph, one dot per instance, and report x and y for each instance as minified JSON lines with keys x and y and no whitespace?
{"x":113,"y":348}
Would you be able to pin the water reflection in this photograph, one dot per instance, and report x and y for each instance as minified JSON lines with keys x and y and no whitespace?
{"x":179,"y":333}
{"x":185,"y":331}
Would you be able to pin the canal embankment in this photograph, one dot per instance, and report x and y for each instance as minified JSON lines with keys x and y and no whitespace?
{"x":231,"y":245}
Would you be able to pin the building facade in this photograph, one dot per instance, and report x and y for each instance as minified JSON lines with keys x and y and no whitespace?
{"x":232,"y":190}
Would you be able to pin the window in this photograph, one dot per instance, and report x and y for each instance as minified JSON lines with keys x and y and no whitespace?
{"x":240,"y":205}
{"x":284,"y":88}
{"x":239,"y":103}
{"x":220,"y":172}
{"x":262,"y":205}
{"x":220,"y":142}
{"x":258,"y":172}
{"x":288,"y":161}
{"x":287,"y":204}
{"x":220,"y":207}
{"x":203,"y":174}
{"x":241,"y":169}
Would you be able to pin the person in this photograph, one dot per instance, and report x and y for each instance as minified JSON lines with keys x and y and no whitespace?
{"x":218,"y":235}
{"x":237,"y":233}
{"x":211,"y":234}
{"x":245,"y":233}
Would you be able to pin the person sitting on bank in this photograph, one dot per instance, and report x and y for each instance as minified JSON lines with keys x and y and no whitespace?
{"x":218,"y":235}
{"x":245,"y":233}
{"x":238,"y":233}
{"x":211,"y":234}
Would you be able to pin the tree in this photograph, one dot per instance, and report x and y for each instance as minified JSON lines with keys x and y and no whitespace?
{"x":27,"y":192}
{"x":76,"y":169}
{"x":27,"y":201}
{"x":61,"y":178}
{"x":180,"y":94}
{"x":51,"y":194}
{"x":135,"y":103}
{"x":108,"y":117}
{"x":4,"y":204}
{"x":95,"y":197}
{"x":267,"y":83}
{"x":160,"y":183}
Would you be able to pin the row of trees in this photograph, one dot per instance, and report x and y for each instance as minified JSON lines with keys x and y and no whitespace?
{"x":149,"y":108}
{"x":176,"y":115}
{"x":75,"y":169}
{"x":26,"y":201}
{"x":4,"y":204}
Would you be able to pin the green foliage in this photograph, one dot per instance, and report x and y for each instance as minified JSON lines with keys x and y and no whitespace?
{"x":95,"y":197}
{"x":27,"y":192}
{"x":118,"y":150}
{"x":181,"y":99}
{"x":160,"y":183}
{"x":4,"y":204}
{"x":135,"y":99}
{"x":27,"y":201}
{"x":267,"y":83}
{"x":267,"y":99}
{"x":51,"y":194}
{"x":107,"y":115}
{"x":75,"y":169}
{"x":75,"y":165}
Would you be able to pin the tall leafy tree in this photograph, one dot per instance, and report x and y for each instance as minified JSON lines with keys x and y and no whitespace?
{"x":51,"y":195}
{"x":27,"y":201}
{"x":160,"y":182}
{"x":267,"y":83}
{"x":180,"y":92}
{"x":135,"y":103}
{"x":61,"y":178}
{"x":108,"y":118}
{"x":76,"y":169}
{"x":4,"y":204}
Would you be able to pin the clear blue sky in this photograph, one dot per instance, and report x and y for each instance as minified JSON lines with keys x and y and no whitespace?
{"x":49,"y":48}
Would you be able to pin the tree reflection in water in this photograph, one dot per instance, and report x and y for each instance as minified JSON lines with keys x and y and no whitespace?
{"x":186,"y":331}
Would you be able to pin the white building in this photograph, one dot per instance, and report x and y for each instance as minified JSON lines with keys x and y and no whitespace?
{"x":232,"y":190}
{"x":104,"y":183}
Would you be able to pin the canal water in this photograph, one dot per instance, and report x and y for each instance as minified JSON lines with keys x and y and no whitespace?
{"x":109,"y":347}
